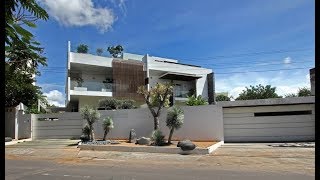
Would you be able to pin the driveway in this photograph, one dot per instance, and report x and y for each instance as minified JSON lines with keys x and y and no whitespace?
{"x":257,"y":157}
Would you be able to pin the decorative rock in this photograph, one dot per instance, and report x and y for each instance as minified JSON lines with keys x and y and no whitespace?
{"x":143,"y":141}
{"x":7,"y":139}
{"x":132,"y":136}
{"x":186,"y":145}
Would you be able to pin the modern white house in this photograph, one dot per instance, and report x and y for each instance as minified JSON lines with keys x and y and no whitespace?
{"x":91,"y":78}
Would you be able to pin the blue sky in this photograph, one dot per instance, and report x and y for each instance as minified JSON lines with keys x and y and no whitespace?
{"x":232,"y":37}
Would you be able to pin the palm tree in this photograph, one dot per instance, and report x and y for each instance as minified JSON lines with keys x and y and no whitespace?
{"x":107,"y":126}
{"x":174,"y":120}
{"x":91,"y":115}
{"x":99,"y":51}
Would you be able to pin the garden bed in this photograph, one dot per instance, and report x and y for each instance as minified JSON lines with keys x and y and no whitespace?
{"x":201,"y":147}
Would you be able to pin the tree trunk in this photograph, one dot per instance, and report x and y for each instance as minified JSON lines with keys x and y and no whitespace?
{"x":105,"y":135}
{"x":170,"y":135}
{"x":156,"y":123}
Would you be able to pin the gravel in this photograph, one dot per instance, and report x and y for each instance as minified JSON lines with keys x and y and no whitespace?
{"x":101,"y":142}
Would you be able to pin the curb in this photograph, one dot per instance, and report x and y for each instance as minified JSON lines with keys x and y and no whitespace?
{"x":17,"y":141}
{"x":149,"y":149}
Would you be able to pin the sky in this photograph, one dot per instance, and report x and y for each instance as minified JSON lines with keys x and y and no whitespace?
{"x":247,"y":42}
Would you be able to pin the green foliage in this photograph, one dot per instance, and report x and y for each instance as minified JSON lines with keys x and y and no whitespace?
{"x":91,"y":116}
{"x":304,"y":92}
{"x":112,"y":104}
{"x":82,"y":48}
{"x":127,"y":104}
{"x":258,"y":92}
{"x":222,"y":97}
{"x":157,"y":138}
{"x":174,"y":120}
{"x":107,"y":126}
{"x":290,"y":95}
{"x":196,"y":101}
{"x":115,"y":51}
{"x":156,"y":98}
{"x":23,"y":54}
{"x":175,"y":117}
{"x":99,"y":51}
{"x":191,"y":92}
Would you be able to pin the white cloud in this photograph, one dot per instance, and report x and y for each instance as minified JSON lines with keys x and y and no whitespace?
{"x":121,"y":4}
{"x":80,"y":13}
{"x":287,"y":60}
{"x":56,"y":98}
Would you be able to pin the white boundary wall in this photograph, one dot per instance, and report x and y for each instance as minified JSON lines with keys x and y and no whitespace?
{"x":200,"y":123}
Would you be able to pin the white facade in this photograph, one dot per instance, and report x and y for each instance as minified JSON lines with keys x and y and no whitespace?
{"x":93,"y":70}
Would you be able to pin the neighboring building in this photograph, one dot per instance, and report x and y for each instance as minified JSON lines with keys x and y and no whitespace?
{"x":312,"y":80}
{"x":91,"y":78}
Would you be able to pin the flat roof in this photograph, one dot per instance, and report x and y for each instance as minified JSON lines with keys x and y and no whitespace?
{"x":179,"y":76}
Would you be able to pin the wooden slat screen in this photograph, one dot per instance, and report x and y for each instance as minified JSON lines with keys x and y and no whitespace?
{"x":128,"y":75}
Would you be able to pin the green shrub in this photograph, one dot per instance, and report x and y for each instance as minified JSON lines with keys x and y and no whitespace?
{"x":107,"y":126}
{"x":157,"y":137}
{"x":196,"y":101}
{"x":111,"y":104}
{"x":127,"y":104}
{"x":174,"y":120}
{"x":222,"y":97}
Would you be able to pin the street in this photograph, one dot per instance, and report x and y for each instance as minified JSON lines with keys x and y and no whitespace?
{"x":61,"y":159}
{"x":38,"y":170}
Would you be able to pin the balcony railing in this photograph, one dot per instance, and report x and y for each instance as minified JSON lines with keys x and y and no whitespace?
{"x":91,"y":86}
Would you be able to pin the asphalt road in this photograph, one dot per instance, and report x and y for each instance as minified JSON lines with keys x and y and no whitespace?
{"x":42,"y":169}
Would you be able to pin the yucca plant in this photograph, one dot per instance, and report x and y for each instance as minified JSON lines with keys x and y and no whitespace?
{"x":174,"y":120}
{"x":91,"y":116}
{"x":107,"y":126}
{"x":157,"y":137}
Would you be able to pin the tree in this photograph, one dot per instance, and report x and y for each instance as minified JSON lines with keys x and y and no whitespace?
{"x":82,"y":48}
{"x":222,"y":97}
{"x":304,"y":92}
{"x":115,"y":51}
{"x":23,"y":54}
{"x":258,"y":92}
{"x":290,"y":95}
{"x":196,"y":101}
{"x":91,"y":116}
{"x":107,"y":126}
{"x":174,"y":120}
{"x":99,"y":51}
{"x":156,"y":98}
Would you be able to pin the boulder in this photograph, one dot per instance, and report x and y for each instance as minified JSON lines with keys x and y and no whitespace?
{"x":7,"y":139}
{"x":132,"y":136}
{"x":186,"y":145}
{"x":143,"y":141}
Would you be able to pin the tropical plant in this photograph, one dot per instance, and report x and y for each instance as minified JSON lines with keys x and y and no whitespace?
{"x":23,"y":54}
{"x":82,"y":48}
{"x":86,"y":130}
{"x":174,"y":120}
{"x":107,"y":126}
{"x":196,"y":101}
{"x":91,"y":116}
{"x":258,"y":92}
{"x":304,"y":92}
{"x":157,"y":137}
{"x":79,"y":81}
{"x":156,"y":98}
{"x":115,"y":51}
{"x":222,"y":97}
{"x":99,"y":51}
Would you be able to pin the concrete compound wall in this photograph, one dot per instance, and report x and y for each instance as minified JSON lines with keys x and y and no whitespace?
{"x":199,"y":124}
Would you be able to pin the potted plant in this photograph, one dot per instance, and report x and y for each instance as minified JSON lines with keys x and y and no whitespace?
{"x":79,"y":81}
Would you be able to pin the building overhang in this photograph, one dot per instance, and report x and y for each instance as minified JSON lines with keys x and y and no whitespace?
{"x":179,"y":76}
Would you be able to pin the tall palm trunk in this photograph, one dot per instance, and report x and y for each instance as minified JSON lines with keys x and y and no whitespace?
{"x":170,"y":135}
